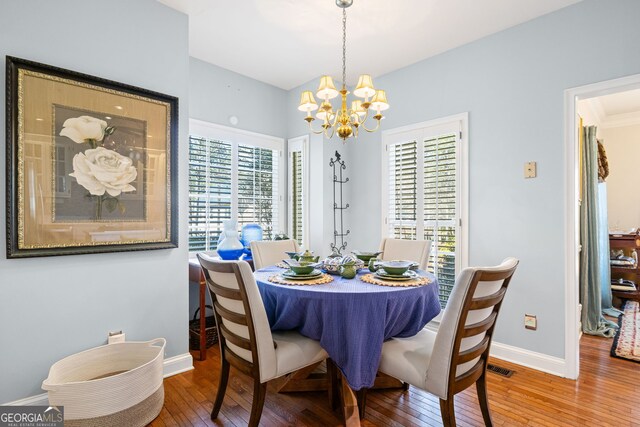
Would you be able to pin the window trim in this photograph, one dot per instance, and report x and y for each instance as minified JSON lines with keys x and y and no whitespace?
{"x":243,"y":137}
{"x":420,"y":132}
{"x":301,"y":144}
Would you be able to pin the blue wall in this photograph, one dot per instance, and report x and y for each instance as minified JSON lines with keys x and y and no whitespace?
{"x":217,"y":94}
{"x":53,"y":307}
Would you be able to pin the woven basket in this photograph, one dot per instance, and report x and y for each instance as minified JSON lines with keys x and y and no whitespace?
{"x":194,"y":330}
{"x":112,"y":385}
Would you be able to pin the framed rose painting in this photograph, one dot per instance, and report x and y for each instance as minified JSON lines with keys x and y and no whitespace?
{"x":91,"y":164}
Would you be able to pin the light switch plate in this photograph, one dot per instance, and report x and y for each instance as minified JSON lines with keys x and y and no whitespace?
{"x":530,"y":322}
{"x":530,"y":170}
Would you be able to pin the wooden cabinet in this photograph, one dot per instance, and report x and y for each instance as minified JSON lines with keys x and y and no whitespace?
{"x":629,"y":244}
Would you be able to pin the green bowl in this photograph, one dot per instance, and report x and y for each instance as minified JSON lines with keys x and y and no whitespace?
{"x":396,"y":268}
{"x":302,"y":269}
{"x":366,"y":256}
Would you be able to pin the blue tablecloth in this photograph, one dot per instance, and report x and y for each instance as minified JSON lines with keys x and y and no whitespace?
{"x":350,"y":318}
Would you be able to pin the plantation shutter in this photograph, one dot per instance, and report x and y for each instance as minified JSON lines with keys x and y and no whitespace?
{"x":440,"y":213}
{"x":258,"y":188}
{"x":209,"y":191}
{"x":296,"y":194}
{"x":423,"y":193}
{"x":403,"y":179}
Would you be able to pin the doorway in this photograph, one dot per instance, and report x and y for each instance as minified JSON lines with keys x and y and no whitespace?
{"x":574,"y":98}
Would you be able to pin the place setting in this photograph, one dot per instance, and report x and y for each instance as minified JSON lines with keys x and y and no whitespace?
{"x":301,"y":272}
{"x":394,"y":273}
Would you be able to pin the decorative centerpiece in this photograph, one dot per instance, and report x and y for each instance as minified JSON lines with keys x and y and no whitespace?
{"x":333,"y":264}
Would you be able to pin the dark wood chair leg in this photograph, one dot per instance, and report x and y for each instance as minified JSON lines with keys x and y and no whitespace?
{"x":332,"y":381}
{"x":483,"y":399}
{"x":222,"y":388}
{"x":448,"y":412}
{"x":361,"y":395}
{"x":259,"y":393}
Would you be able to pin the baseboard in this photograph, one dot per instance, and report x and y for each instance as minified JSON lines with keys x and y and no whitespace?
{"x":530,"y":359}
{"x":171,"y":366}
{"x":37,"y":400}
{"x":178,"y":364}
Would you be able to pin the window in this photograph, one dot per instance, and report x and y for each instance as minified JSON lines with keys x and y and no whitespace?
{"x":424,"y":192}
{"x":232,"y":175}
{"x":298,"y":190}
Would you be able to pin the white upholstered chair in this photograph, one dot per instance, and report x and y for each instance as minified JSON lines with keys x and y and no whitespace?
{"x":454,"y":358}
{"x":408,"y":250}
{"x":246,"y":341}
{"x":271,"y":252}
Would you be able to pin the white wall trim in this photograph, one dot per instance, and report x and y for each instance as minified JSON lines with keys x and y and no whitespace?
{"x":571,"y":239}
{"x":530,"y":359}
{"x":171,"y":366}
{"x":177,"y":364}
{"x":301,"y":144}
{"x":37,"y":400}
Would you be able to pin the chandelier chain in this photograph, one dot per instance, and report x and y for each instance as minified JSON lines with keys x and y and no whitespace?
{"x":344,"y":48}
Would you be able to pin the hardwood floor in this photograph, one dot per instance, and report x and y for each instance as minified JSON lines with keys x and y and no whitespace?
{"x":607,"y":394}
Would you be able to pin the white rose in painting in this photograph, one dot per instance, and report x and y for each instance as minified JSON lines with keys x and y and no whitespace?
{"x":100,"y":170}
{"x":83,"y":128}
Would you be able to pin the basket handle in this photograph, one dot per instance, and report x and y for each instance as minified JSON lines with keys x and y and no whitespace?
{"x":195,"y":315}
{"x":48,"y":387}
{"x":157,"y":341}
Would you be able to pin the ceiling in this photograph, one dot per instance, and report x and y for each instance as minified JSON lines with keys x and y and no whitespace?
{"x":614,"y":110}
{"x":620,"y":103}
{"x":289,"y":42}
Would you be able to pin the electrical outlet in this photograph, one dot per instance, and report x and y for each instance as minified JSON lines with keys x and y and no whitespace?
{"x":115,"y":337}
{"x":530,"y":170}
{"x":530,"y":322}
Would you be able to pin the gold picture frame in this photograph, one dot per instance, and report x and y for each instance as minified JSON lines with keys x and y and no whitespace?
{"x":91,"y":164}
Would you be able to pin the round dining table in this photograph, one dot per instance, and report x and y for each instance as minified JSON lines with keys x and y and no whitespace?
{"x":350,"y":318}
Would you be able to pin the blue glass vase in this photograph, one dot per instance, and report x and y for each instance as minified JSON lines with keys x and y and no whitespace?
{"x":230,"y":247}
{"x":250,"y":233}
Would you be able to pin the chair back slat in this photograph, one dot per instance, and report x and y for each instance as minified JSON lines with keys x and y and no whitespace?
{"x":487,"y":301}
{"x":226,"y":292}
{"x":473,"y":352}
{"x":229,"y":315}
{"x":479,"y":327}
{"x":468,"y":378}
{"x":235,"y":339}
{"x":245,"y":337}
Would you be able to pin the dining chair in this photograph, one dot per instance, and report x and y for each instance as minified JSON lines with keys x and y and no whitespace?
{"x":271,"y":252}
{"x":408,"y":250}
{"x":245,"y":339}
{"x":455,"y":357}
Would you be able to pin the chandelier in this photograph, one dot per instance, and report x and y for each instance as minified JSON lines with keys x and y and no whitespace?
{"x":346,"y":121}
